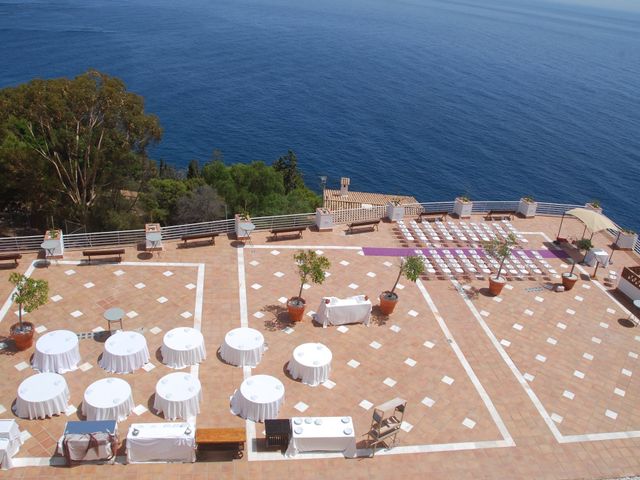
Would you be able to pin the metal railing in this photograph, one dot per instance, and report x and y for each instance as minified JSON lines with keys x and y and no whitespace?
{"x":340,"y":217}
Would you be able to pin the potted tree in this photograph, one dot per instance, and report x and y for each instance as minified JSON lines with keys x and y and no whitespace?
{"x":569,"y":279}
{"x":411,"y":267}
{"x":29,"y":294}
{"x":594,"y":205}
{"x":527,"y":207}
{"x":586,"y":245}
{"x":462,"y":206}
{"x":312,"y":267}
{"x":395,"y":211}
{"x":500,"y":249}
{"x":626,"y":240}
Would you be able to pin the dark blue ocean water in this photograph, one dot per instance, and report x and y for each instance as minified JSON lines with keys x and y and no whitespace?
{"x":492,"y":98}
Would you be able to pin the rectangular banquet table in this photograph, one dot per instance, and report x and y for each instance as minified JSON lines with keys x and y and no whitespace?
{"x":339,"y":311}
{"x":330,"y":436}
{"x":161,"y":442}
{"x":89,"y":441}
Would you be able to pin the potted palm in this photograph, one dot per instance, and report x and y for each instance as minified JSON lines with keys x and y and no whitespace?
{"x":500,"y":249}
{"x":395,"y":211}
{"x":311,"y":267}
{"x":527,"y":207}
{"x":29,"y":294}
{"x":569,"y":279}
{"x":463,"y":206}
{"x":411,"y":267}
{"x":594,"y":205}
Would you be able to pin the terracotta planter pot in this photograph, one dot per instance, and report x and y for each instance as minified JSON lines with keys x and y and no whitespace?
{"x":496,"y":285}
{"x":568,"y":281}
{"x":296,"y":312}
{"x":22,"y":339}
{"x":388,"y":302}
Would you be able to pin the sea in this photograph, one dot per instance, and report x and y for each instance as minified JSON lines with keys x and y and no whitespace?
{"x":494,"y":99}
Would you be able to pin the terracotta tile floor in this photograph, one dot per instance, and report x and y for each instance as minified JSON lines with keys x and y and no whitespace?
{"x":554,"y":397}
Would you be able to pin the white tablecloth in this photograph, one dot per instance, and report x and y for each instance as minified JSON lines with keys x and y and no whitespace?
{"x":259,"y":398}
{"x":243,"y":347}
{"x":161,"y":442}
{"x":332,"y":434}
{"x":340,"y":311}
{"x":42,"y":395}
{"x":593,"y":255}
{"x":124,"y":352}
{"x":183,"y":346}
{"x":178,"y":395}
{"x":311,"y":363}
{"x":108,"y":399}
{"x":10,"y":442}
{"x":57,"y":351}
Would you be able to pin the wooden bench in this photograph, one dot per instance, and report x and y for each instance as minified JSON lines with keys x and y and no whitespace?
{"x":500,"y":215}
{"x":104,"y":253}
{"x":199,"y":236}
{"x":11,"y":256}
{"x":433,"y":216}
{"x":363,"y":225}
{"x":287,"y":231}
{"x":214,"y":437}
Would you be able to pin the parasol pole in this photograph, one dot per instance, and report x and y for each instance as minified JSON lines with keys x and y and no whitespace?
{"x":561,"y":220}
{"x":613,"y":247}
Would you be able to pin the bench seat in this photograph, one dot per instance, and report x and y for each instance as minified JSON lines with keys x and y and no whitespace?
{"x":199,"y":236}
{"x":104,"y":253}
{"x":363,"y":225}
{"x":500,"y":215}
{"x":433,"y":216}
{"x":11,"y":256}
{"x":288,"y":231}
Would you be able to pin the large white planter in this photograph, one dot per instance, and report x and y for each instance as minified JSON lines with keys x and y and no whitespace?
{"x":462,"y":209}
{"x":324,"y":220}
{"x":241,"y":233}
{"x":395,"y":213}
{"x":57,"y":252}
{"x":589,"y":206}
{"x":626,"y":241}
{"x":527,"y":209}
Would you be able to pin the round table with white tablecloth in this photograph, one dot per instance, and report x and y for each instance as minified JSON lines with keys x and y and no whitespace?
{"x":178,"y":395}
{"x":183,"y":346}
{"x":124,"y":352}
{"x":42,"y":395}
{"x":259,"y":398}
{"x":108,"y":399}
{"x":57,"y":352}
{"x":243,"y":347}
{"x":311,"y":363}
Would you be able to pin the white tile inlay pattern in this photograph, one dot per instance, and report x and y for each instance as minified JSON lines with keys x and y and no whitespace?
{"x":505,"y":343}
{"x":301,"y":406}
{"x":41,"y":328}
{"x":353,"y":363}
{"x":342,"y":329}
{"x":366,"y":404}
{"x":256,"y":286}
{"x":429,"y":402}
{"x":328,"y":384}
{"x":353,"y":286}
{"x":579,"y":374}
{"x":375,"y":345}
{"x":141,"y":285}
{"x":389,"y":382}
{"x":541,"y":358}
{"x":467,"y":422}
{"x":413,"y":313}
{"x":611,"y":414}
{"x":162,"y":299}
{"x":619,"y":392}
{"x":561,"y":326}
{"x":448,"y":380}
{"x":155,"y":330}
{"x":429,"y":344}
{"x":570,"y":311}
{"x":626,"y":372}
{"x":568,"y":394}
{"x":411,"y":362}
{"x":587,"y":356}
{"x":528,"y":377}
{"x":56,"y":298}
{"x":556,"y":418}
{"x":76,"y":314}
{"x":517,"y":326}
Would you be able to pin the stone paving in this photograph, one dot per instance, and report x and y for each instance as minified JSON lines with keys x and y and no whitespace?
{"x":530,"y":384}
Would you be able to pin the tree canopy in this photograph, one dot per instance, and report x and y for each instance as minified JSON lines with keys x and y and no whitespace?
{"x":79,"y":139}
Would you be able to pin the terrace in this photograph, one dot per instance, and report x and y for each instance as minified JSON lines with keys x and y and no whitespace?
{"x":533,"y":383}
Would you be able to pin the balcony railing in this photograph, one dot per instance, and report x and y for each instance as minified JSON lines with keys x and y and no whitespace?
{"x":632,"y":275}
{"x":340,"y":217}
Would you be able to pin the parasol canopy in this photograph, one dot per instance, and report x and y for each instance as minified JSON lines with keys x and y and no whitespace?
{"x":594,"y":221}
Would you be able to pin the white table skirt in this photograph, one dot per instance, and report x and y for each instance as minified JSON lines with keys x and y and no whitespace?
{"x":9,"y":430}
{"x":340,"y":311}
{"x":243,"y":347}
{"x":178,"y":395}
{"x":108,"y":399}
{"x":42,"y":395}
{"x":311,"y":363}
{"x":57,"y":351}
{"x":5,"y":458}
{"x":259,"y":398}
{"x":183,"y":346}
{"x":124,"y":352}
{"x":161,"y":442}
{"x":333,"y":435}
